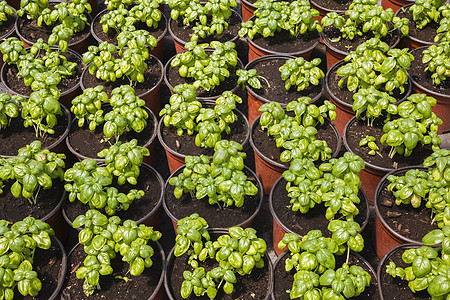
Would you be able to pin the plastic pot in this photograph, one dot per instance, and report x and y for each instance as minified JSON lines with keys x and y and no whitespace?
{"x":8,"y":34}
{"x":280,"y":226}
{"x":247,"y":9}
{"x":394,"y":4}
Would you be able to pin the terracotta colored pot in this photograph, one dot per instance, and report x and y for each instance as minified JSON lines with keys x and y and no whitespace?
{"x":247,"y":223}
{"x":268,"y":170}
{"x":151,"y":219}
{"x":280,"y":228}
{"x":175,"y":159}
{"x":158,"y":293}
{"x":386,"y":237}
{"x":80,"y":46}
{"x":179,"y":43}
{"x":247,"y":10}
{"x":344,"y":110}
{"x":442,"y":108}
{"x":151,"y":97}
{"x":394,"y":4}
{"x":150,"y":145}
{"x":158,"y":51}
{"x":10,"y":33}
{"x":254,"y":100}
{"x":214,"y":232}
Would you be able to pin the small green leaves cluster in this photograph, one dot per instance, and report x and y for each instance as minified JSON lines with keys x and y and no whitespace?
{"x":238,"y":252}
{"x":437,"y":58}
{"x":297,"y":134}
{"x":9,"y":108}
{"x":32,"y":8}
{"x":371,"y":103}
{"x":103,"y":238}
{"x":222,"y":181}
{"x":370,"y":142}
{"x":273,"y":16}
{"x":187,"y":114}
{"x":430,"y":187}
{"x":207,"y":69}
{"x":313,"y":258}
{"x":365,"y":16}
{"x":87,"y":108}
{"x":301,"y":73}
{"x":443,"y":32}
{"x":374,"y":64}
{"x":12,"y":48}
{"x":18,"y":244}
{"x":32,"y":169}
{"x":5,"y":11}
{"x":425,"y":12}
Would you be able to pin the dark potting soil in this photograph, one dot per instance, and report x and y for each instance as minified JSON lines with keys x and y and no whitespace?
{"x":359,"y":130}
{"x":397,"y":288}
{"x":48,"y":265}
{"x":17,"y":84}
{"x":185,"y":144}
{"x":111,"y":36}
{"x":139,"y":208}
{"x":32,"y":32}
{"x":315,"y":219}
{"x":253,"y":286}
{"x":152,"y":75}
{"x":89,"y":143}
{"x":418,"y":74}
{"x":184,"y":32}
{"x":283,"y":42}
{"x":228,"y":84}
{"x":15,"y":209}
{"x":217,"y":217}
{"x":7,"y":25}
{"x":269,"y":69}
{"x":266,"y":144}
{"x":333,"y":5}
{"x":137,"y":287}
{"x":16,"y":136}
{"x":425,"y":34}
{"x":331,"y":33}
{"x":412,"y":223}
{"x":346,"y":96}
{"x":283,"y":279}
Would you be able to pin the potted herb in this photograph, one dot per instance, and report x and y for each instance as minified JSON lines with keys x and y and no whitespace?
{"x":217,"y":264}
{"x":111,"y":245}
{"x":221,"y":187}
{"x":285,"y":25}
{"x":7,"y":21}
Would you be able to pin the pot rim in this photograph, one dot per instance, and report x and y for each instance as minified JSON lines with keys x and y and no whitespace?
{"x":62,"y":271}
{"x":171,"y":257}
{"x":377,"y":209}
{"x":252,"y":217}
{"x":86,"y":69}
{"x":182,"y":42}
{"x":99,"y":40}
{"x":249,"y":4}
{"x":146,"y":216}
{"x":163,"y":271}
{"x":277,"y":219}
{"x":281,"y":166}
{"x":89,"y":19}
{"x":161,"y":125}
{"x":102,"y":160}
{"x":276,"y":56}
{"x":428,"y":91}
{"x":12,"y":92}
{"x":327,"y":10}
{"x":13,"y":28}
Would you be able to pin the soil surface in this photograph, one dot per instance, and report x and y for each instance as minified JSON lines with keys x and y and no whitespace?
{"x":359,"y":130}
{"x":424,"y":78}
{"x":425,"y":34}
{"x":397,"y":288}
{"x":47,"y":264}
{"x":111,"y":36}
{"x":253,"y":286}
{"x":217,"y":217}
{"x":314,"y":219}
{"x":16,"y":136}
{"x":332,"y":5}
{"x":152,"y":76}
{"x":404,"y":219}
{"x":284,"y":43}
{"x":266,"y":144}
{"x":185,"y":144}
{"x":7,"y":25}
{"x":184,"y":32}
{"x":16,"y":83}
{"x":283,"y":279}
{"x":139,"y":208}
{"x":273,"y":89}
{"x":137,"y":287}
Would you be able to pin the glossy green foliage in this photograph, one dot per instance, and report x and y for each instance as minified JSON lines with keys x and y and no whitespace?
{"x":425,"y":12}
{"x":249,"y":77}
{"x":12,"y":48}
{"x":5,"y":11}
{"x":32,"y":8}
{"x":371,"y":103}
{"x":9,"y":108}
{"x":370,"y":142}
{"x":443,"y":32}
{"x":300,"y":73}
{"x":437,"y":58}
{"x":87,"y":107}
